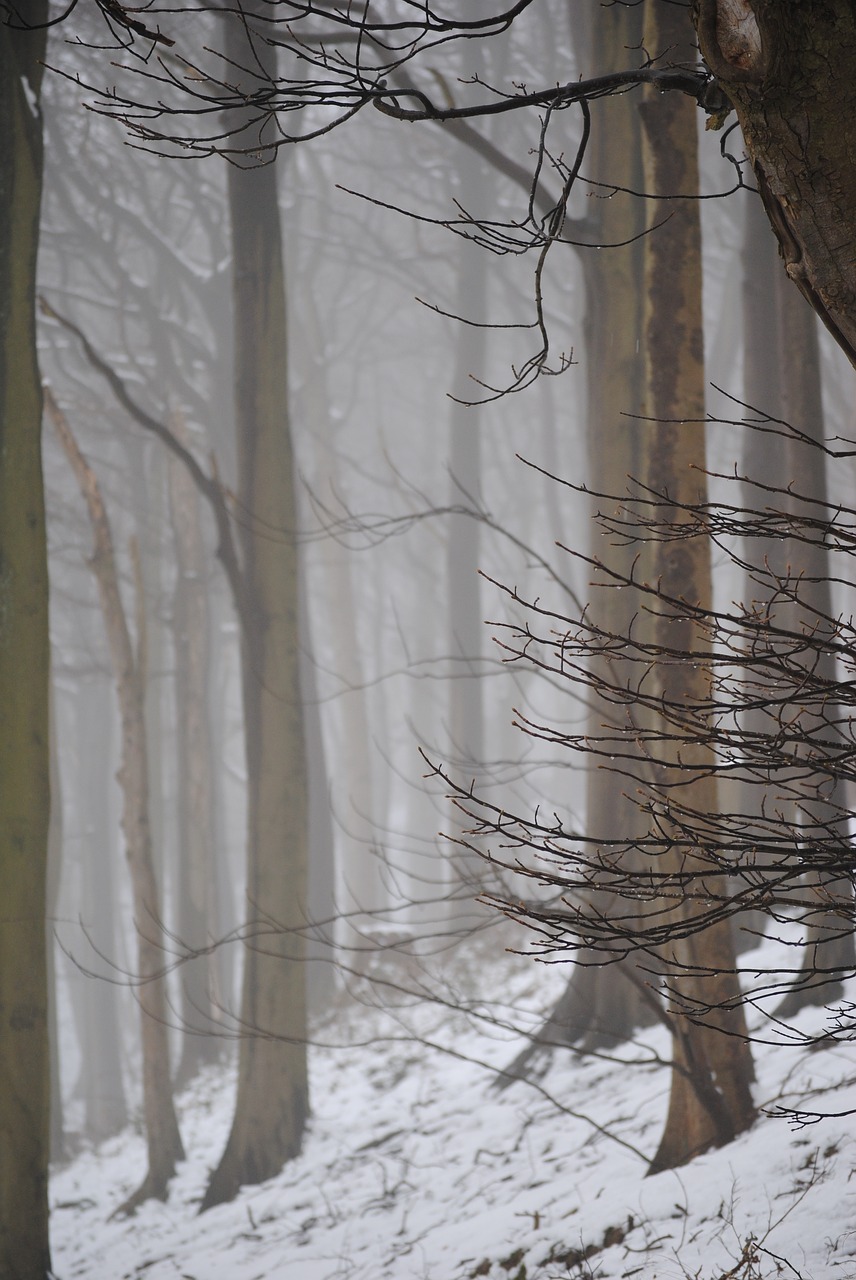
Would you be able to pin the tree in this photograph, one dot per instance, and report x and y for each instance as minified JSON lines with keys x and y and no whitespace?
{"x":199,"y":905}
{"x":710,"y":1099}
{"x":787,"y":69}
{"x":129,"y":669}
{"x":764,"y":74}
{"x":782,"y":380}
{"x":24,"y":674}
{"x":784,"y":68}
{"x":771,"y":78}
{"x":273,"y":1093}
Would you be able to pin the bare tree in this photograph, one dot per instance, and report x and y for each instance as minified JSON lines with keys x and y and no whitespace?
{"x":129,"y":669}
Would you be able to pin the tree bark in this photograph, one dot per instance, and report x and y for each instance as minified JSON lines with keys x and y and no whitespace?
{"x":162,"y":1134}
{"x":24,"y":675}
{"x":710,"y":1099}
{"x":788,"y":68}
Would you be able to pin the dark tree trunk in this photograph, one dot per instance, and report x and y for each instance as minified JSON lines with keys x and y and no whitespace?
{"x":789,"y":67}
{"x":24,"y":674}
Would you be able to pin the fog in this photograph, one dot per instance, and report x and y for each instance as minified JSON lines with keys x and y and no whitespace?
{"x":335,"y":649}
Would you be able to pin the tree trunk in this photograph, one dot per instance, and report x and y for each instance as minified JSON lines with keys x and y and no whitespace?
{"x":828,"y":955}
{"x":100,"y":1083}
{"x":782,"y":380}
{"x":355,"y":868}
{"x":24,"y":675}
{"x":476,"y":192}
{"x":788,"y":67}
{"x":273,"y":1094}
{"x":601,"y":1005}
{"x":710,"y":1100}
{"x":198,"y":903}
{"x":55,"y":843}
{"x":321,"y":878}
{"x":608,"y":1005}
{"x":162,"y":1135}
{"x":763,"y":458}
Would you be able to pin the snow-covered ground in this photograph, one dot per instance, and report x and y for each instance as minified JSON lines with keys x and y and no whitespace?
{"x":414,"y":1168}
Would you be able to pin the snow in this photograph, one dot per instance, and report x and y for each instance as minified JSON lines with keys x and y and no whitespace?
{"x":415,"y":1168}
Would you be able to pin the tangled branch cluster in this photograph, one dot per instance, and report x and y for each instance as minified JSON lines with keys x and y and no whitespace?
{"x":774,"y":730}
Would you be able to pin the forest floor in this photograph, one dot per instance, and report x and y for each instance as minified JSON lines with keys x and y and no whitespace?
{"x":415,"y":1168}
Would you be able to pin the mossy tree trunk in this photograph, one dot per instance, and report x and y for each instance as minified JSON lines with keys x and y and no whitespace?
{"x":710,"y":1099}
{"x":24,"y":675}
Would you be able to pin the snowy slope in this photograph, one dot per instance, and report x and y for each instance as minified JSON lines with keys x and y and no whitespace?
{"x":415,"y":1169}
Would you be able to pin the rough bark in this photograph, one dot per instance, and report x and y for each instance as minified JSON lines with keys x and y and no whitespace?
{"x":24,"y":676}
{"x":273,"y":1096}
{"x":788,"y":68}
{"x":710,"y":1099}
{"x":162,"y":1135}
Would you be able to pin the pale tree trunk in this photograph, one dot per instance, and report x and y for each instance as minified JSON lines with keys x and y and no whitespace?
{"x":99,"y":1018}
{"x":476,"y":194}
{"x":466,"y":713}
{"x":782,"y":380}
{"x":57,"y":1132}
{"x":829,"y":947}
{"x":198,"y":899}
{"x":321,"y":842}
{"x":765,"y":458}
{"x":24,"y":675}
{"x":788,"y":67}
{"x":162,"y":1135}
{"x":273,"y":1095}
{"x":601,"y":1006}
{"x":710,"y":1099}
{"x":360,"y":892}
{"x":606,"y":1005}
